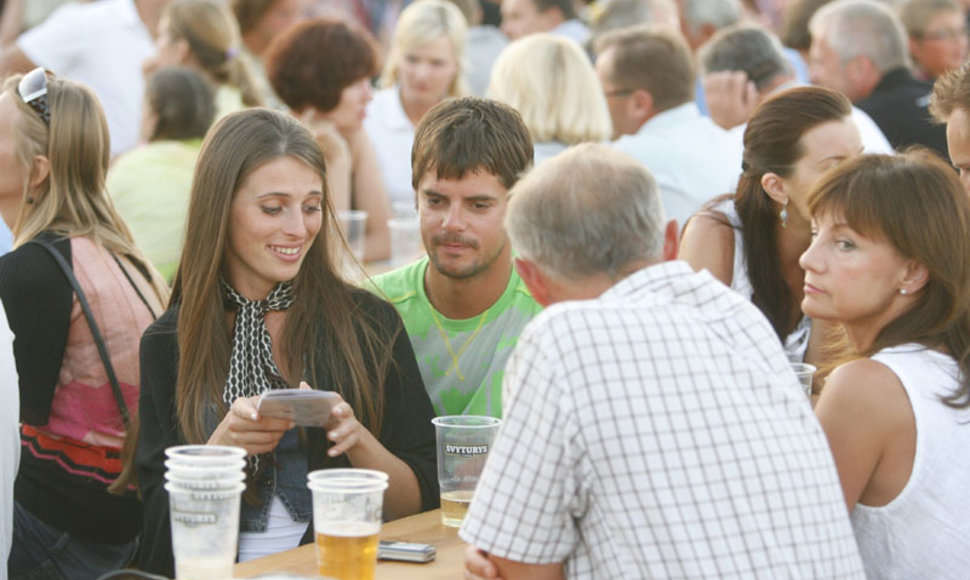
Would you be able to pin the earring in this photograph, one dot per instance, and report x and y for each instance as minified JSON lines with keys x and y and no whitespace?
{"x":30,"y":199}
{"x":902,"y":291}
{"x":783,"y":214}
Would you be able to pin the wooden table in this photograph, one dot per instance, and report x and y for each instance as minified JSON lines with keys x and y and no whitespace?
{"x":425,"y":528}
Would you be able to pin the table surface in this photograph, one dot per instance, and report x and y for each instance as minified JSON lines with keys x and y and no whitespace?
{"x":424,"y":528}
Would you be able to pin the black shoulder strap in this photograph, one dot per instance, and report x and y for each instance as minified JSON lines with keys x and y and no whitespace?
{"x":102,"y":349}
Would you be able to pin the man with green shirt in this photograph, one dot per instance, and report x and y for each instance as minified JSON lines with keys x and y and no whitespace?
{"x":464,"y":304}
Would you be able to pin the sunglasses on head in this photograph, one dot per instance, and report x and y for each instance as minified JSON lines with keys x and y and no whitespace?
{"x":33,"y":91}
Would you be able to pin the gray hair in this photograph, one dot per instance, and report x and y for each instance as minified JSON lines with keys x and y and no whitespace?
{"x":866,"y":28}
{"x":747,"y":48}
{"x":622,"y":13}
{"x":716,"y":13}
{"x":590,"y":210}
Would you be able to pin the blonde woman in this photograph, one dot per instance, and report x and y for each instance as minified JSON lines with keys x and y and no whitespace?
{"x":77,"y":403}
{"x":424,"y":67}
{"x":551,"y":83}
{"x":204,"y":34}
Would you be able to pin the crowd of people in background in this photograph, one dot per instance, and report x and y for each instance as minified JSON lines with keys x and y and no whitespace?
{"x":635,"y":214}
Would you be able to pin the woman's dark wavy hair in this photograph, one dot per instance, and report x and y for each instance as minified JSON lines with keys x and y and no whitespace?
{"x":773,"y":143}
{"x":916,"y":203}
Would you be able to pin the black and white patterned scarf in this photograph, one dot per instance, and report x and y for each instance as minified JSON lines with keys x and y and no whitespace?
{"x":252,"y":369}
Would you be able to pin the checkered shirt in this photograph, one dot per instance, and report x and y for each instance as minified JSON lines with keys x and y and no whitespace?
{"x":658,"y":432}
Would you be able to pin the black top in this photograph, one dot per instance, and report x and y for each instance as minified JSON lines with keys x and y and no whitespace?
{"x":406,"y":431}
{"x":38,"y":300}
{"x":900,"y":106}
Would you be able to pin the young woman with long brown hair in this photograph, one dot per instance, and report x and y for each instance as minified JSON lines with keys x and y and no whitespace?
{"x":258,"y":305}
{"x":752,"y":240}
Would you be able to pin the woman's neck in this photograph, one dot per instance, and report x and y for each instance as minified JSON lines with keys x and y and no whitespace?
{"x":414,"y":110}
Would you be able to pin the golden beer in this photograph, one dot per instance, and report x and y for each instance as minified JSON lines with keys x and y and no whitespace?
{"x":348,"y":550}
{"x":454,"y":506}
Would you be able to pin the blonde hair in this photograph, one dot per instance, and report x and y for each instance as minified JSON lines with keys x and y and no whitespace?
{"x":212,"y":33}
{"x":72,"y":201}
{"x":421,"y":23}
{"x":551,"y":83}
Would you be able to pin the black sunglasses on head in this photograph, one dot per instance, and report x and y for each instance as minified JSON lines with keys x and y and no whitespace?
{"x":33,"y":91}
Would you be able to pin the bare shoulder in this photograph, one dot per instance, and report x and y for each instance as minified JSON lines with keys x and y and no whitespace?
{"x":866,"y":393}
{"x":708,"y":243}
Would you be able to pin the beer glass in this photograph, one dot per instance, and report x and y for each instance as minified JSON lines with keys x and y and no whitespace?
{"x":463,"y":445}
{"x":347,"y":520}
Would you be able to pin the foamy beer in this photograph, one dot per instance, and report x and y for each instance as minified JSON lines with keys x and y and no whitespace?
{"x":347,"y":520}
{"x":463,"y":445}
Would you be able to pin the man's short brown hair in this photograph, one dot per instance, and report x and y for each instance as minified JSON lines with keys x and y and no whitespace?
{"x":462,"y":136}
{"x":951,"y":92}
{"x":653,"y":58}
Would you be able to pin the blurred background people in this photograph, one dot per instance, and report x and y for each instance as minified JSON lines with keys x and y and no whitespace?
{"x":74,"y":412}
{"x":423,"y":68}
{"x":559,"y":17}
{"x":937,"y":31}
{"x":321,"y":70}
{"x":551,"y":83}
{"x":950,"y":104}
{"x":203,"y":34}
{"x":890,"y":263}
{"x":859,"y":48}
{"x":752,"y":240}
{"x":150,"y":184}
{"x":260,"y":22}
{"x":484,"y":43}
{"x":101,"y":44}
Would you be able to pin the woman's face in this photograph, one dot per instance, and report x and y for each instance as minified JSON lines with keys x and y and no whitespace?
{"x":12,"y":174}
{"x":273,"y":221}
{"x":168,"y":50}
{"x":943,"y":46}
{"x":350,"y":111}
{"x":851,"y":278}
{"x":824,"y":147}
{"x":427,"y":71}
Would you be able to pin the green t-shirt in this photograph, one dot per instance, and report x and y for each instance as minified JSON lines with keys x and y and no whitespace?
{"x":462,"y":362}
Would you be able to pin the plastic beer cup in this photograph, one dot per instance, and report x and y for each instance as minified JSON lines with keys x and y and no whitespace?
{"x":463,"y":445}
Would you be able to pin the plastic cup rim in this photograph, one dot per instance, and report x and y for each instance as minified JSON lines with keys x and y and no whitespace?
{"x":485,"y":421}
{"x":218,"y":451}
{"x":174,"y":487}
{"x":801,"y":367}
{"x":348,"y":472}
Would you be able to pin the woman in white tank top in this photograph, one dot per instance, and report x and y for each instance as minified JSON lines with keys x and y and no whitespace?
{"x":751,"y":240}
{"x":890,"y":261}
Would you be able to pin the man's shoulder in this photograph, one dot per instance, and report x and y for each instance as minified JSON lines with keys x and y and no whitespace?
{"x":401,"y":285}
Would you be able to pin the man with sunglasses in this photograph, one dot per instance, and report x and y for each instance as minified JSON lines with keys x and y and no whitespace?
{"x":101,"y":44}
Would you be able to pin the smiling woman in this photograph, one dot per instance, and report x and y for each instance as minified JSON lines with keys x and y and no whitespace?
{"x":258,"y":305}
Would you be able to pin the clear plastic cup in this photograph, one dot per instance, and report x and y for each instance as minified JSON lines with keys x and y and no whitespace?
{"x":354,"y":226}
{"x":406,"y":244}
{"x":205,"y":531}
{"x":347,"y":505}
{"x":805,"y":373}
{"x":464,"y":442}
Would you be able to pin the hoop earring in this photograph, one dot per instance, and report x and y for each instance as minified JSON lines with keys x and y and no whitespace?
{"x":783,"y":214}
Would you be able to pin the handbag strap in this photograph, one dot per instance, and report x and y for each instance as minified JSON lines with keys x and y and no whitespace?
{"x":102,"y":349}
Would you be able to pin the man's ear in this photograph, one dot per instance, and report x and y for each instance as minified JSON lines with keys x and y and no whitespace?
{"x":774,"y":186}
{"x":641,"y":106}
{"x":534,"y":281}
{"x":671,"y":238}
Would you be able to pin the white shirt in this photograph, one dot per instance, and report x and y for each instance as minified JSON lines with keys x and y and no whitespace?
{"x":9,"y":437}
{"x":574,"y":30}
{"x":691,"y":158}
{"x":101,"y":44}
{"x":482,"y":46}
{"x":393,"y":135}
{"x":923,"y":531}
{"x":658,"y":432}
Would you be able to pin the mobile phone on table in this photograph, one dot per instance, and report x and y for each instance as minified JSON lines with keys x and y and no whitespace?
{"x":305,"y":407}
{"x":405,"y":551}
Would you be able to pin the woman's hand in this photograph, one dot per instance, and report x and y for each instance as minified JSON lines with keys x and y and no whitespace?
{"x":343,"y":429}
{"x":243,"y":427}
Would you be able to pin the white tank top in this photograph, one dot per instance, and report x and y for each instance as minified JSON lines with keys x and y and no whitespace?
{"x":923,"y":532}
{"x":796,"y":343}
